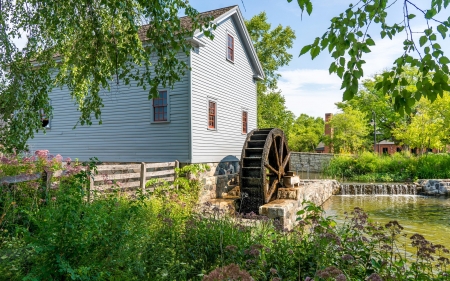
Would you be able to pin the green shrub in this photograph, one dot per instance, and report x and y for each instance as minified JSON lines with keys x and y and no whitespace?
{"x":399,"y":167}
{"x":165,"y":236}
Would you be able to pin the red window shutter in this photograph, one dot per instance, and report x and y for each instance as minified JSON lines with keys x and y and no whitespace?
{"x":230,"y":48}
{"x":212,"y":115}
{"x":244,"y":122}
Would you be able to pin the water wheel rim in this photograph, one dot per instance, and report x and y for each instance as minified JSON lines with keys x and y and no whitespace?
{"x":274,"y":164}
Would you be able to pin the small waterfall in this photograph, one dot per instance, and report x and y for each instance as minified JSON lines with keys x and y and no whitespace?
{"x":378,"y":189}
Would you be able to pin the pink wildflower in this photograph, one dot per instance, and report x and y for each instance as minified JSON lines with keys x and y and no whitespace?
{"x":41,"y":154}
{"x":58,"y":158}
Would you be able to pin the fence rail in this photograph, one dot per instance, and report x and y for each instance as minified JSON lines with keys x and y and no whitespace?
{"x":127,"y":177}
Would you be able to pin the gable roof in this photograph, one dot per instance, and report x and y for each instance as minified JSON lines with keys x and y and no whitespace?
{"x":219,"y":15}
{"x":186,"y":22}
{"x":235,"y":13}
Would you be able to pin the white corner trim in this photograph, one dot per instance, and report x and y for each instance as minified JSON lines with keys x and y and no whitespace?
{"x":197,"y":42}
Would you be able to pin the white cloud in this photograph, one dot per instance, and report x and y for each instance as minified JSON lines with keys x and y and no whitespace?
{"x":310,"y":91}
{"x":315,"y":91}
{"x":383,"y":55}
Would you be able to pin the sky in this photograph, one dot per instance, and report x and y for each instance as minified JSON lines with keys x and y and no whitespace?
{"x":306,"y":84}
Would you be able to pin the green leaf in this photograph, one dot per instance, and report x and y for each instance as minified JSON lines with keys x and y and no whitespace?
{"x":430,"y":13}
{"x":309,"y":7}
{"x":370,"y":42}
{"x":348,"y":95}
{"x":340,"y":71}
{"x":444,"y":60}
{"x":442,"y":30}
{"x":305,"y":49}
{"x":383,"y":34}
{"x":423,"y":40}
{"x":342,"y":61}
{"x":315,"y":52}
{"x":332,"y":68}
{"x":411,"y":16}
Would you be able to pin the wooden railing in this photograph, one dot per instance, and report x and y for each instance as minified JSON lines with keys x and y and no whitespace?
{"x":127,"y":177}
{"x":132,"y":176}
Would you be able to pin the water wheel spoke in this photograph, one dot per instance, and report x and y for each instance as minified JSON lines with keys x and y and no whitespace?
{"x":286,"y":160}
{"x":271,"y":190}
{"x":272,"y":169}
{"x":274,"y":143}
{"x":281,"y":148}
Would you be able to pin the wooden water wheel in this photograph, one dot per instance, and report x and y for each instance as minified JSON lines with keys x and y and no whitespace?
{"x":264,"y":162}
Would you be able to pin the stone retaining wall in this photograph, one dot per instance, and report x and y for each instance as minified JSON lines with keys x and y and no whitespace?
{"x":435,"y":187}
{"x":312,"y":162}
{"x":289,"y":200}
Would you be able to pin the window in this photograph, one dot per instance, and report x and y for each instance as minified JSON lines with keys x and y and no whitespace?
{"x":212,"y":115}
{"x":244,"y":122}
{"x":45,"y":118}
{"x":160,"y":107}
{"x":399,"y":149}
{"x":230,"y":48}
{"x":385,"y":150}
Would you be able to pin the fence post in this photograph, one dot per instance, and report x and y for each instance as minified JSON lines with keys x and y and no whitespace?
{"x":48,"y":182}
{"x":143,"y":176}
{"x":91,"y":183}
{"x":177,"y":165}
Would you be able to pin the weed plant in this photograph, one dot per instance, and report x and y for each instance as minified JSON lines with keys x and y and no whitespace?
{"x":165,"y":236}
{"x":399,"y":167}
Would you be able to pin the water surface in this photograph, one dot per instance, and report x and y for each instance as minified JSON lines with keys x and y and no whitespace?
{"x":427,"y":216}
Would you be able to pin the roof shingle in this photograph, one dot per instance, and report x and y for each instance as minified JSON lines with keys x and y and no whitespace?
{"x":186,"y":22}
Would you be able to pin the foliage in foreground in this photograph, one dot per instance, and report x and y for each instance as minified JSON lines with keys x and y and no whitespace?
{"x":160,"y":237}
{"x":398,"y":167}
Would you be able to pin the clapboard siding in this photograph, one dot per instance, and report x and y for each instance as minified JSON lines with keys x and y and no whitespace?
{"x":127,"y":133}
{"x":233,"y":88}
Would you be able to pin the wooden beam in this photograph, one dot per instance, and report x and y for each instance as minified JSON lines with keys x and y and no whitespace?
{"x":118,"y":167}
{"x":117,"y":176}
{"x":160,"y":165}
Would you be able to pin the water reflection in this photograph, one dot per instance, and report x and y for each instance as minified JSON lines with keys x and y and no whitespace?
{"x":427,"y":216}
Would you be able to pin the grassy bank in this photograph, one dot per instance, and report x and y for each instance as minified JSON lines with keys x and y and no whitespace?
{"x":370,"y":167}
{"x":165,"y":236}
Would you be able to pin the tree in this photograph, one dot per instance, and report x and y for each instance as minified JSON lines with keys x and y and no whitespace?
{"x":375,"y":103}
{"x":271,"y":47}
{"x":87,"y":46}
{"x":272,"y":113}
{"x":348,"y":39}
{"x":428,"y":128}
{"x":306,"y":133}
{"x":350,"y":131}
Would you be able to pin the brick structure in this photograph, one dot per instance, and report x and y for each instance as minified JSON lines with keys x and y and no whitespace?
{"x":328,"y":132}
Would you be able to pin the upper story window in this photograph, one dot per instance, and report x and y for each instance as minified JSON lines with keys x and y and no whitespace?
{"x":230,"y":48}
{"x":244,"y":122}
{"x":44,"y":119}
{"x":160,"y":107}
{"x":212,"y":114}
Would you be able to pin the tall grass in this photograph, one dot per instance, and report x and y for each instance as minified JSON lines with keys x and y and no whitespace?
{"x":388,"y":168}
{"x":166,"y":236}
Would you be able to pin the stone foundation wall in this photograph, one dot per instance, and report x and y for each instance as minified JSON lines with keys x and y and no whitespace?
{"x":215,"y":186}
{"x":312,"y":162}
{"x":289,"y":200}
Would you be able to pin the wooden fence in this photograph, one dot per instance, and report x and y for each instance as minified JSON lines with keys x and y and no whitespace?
{"x":127,"y":177}
{"x":132,"y":176}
